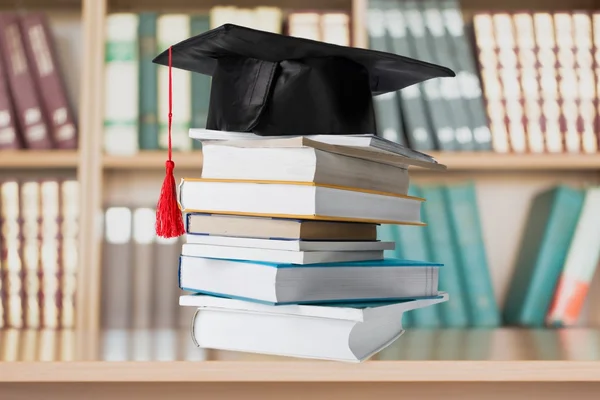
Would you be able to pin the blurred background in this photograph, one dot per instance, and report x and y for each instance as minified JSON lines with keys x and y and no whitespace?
{"x":83,"y":115}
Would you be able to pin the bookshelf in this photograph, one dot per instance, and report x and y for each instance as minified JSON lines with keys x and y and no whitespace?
{"x":519,"y":175}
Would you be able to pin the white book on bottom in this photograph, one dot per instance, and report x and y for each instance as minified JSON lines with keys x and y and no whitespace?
{"x":290,"y":245}
{"x":351,"y":333}
{"x":277,"y":256}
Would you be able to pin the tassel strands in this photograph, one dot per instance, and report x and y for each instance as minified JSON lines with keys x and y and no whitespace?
{"x":169,"y":221}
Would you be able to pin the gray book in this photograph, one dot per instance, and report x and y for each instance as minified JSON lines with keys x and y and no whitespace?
{"x":143,"y":256}
{"x":165,"y":301}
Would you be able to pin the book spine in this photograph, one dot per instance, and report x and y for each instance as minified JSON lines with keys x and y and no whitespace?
{"x":487,"y":55}
{"x":586,"y":81}
{"x":69,"y":204}
{"x":550,"y":226}
{"x":25,"y":98}
{"x":509,"y":78}
{"x":547,"y":72}
{"x":31,"y":216}
{"x":11,"y":254}
{"x":9,"y":134}
{"x":143,"y":256}
{"x":165,"y":281}
{"x":50,"y":254}
{"x":200,"y":83}
{"x":525,"y":39}
{"x":173,"y":28}
{"x":335,"y":28}
{"x":148,"y":89}
{"x":580,"y":265}
{"x":121,"y":99}
{"x":468,"y":239}
{"x":302,"y":24}
{"x":567,"y":83}
{"x":439,"y":236}
{"x":117,"y":274}
{"x":414,"y":246}
{"x":439,"y":42}
{"x":41,"y":53}
{"x":387,"y":113}
{"x":410,"y":99}
{"x":467,"y":77}
{"x":439,"y":112}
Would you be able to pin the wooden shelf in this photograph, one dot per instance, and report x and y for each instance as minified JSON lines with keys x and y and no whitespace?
{"x":240,"y":371}
{"x":31,"y":159}
{"x":471,"y":162}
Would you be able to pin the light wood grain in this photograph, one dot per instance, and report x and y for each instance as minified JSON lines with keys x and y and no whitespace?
{"x":224,"y":371}
{"x":36,"y":159}
{"x":90,"y":177}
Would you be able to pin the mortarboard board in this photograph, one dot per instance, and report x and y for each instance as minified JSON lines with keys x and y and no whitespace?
{"x":272,"y":84}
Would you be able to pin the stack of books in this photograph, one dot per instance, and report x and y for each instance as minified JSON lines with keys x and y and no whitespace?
{"x":282,"y":254}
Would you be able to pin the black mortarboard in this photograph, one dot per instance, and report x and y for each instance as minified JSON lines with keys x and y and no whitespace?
{"x":272,"y":84}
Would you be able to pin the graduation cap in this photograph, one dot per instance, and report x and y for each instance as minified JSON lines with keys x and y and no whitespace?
{"x":276,"y":85}
{"x":273,"y":85}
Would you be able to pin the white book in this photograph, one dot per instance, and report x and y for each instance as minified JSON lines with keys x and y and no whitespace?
{"x":302,"y":164}
{"x":281,"y":283}
{"x":298,"y":200}
{"x":366,"y":146}
{"x":277,"y":256}
{"x":350,"y":333}
{"x":171,"y":29}
{"x":121,"y":84}
{"x":289,"y":245}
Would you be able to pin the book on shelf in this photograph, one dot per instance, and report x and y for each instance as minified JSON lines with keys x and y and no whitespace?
{"x":36,"y":112}
{"x":38,"y":267}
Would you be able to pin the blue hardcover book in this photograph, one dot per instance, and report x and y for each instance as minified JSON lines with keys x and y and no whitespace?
{"x":413,"y":244}
{"x":438,"y":231}
{"x":468,"y":242}
{"x":269,"y":283}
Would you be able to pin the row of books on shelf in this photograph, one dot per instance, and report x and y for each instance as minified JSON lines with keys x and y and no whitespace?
{"x":35,"y":111}
{"x":38,"y":253}
{"x":526,"y":82}
{"x":136,"y":100}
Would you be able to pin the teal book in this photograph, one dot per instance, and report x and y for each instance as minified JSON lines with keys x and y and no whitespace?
{"x":200,"y":83}
{"x":477,"y":285}
{"x":148,"y":124}
{"x":453,"y":313}
{"x":551,"y":223}
{"x":413,"y":246}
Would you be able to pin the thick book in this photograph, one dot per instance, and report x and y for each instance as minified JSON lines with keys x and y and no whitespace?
{"x":285,"y":283}
{"x":303,"y":200}
{"x":347,"y":332}
{"x":365,"y":146}
{"x":46,"y":71}
{"x":277,"y":256}
{"x":31,"y":215}
{"x":148,"y":82}
{"x":51,"y":254}
{"x":290,"y":245}
{"x":551,"y":223}
{"x":580,"y":265}
{"x":142,"y":291}
{"x":303,"y":164}
{"x":277,"y":228}
{"x":69,"y":232}
{"x":26,"y":99}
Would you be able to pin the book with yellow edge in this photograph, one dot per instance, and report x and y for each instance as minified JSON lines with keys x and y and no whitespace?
{"x":301,"y":200}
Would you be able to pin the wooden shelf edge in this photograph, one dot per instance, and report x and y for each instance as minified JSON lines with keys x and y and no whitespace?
{"x":293,"y":371}
{"x":30,"y":159}
{"x":464,"y":162}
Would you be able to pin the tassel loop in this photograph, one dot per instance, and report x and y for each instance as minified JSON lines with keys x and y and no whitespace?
{"x":169,"y":221}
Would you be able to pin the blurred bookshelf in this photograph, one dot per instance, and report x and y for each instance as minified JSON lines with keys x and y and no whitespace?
{"x":505,"y":182}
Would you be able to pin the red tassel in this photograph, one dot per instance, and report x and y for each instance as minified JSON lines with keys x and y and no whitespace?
{"x":169,"y":221}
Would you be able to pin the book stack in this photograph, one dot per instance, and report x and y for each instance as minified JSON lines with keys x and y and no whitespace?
{"x":282,"y":252}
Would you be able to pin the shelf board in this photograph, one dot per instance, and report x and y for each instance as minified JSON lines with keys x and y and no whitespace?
{"x":311,"y":371}
{"x":459,"y":161}
{"x":32,"y":159}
